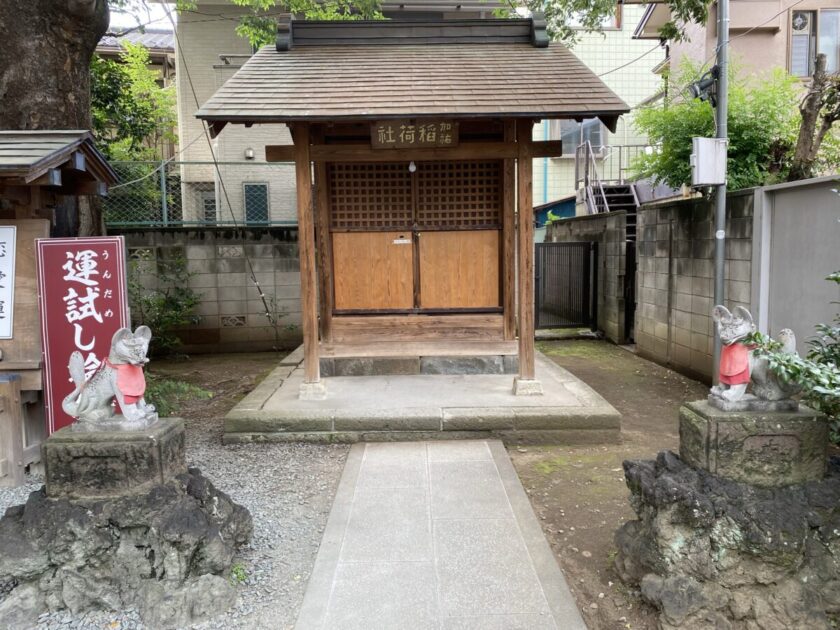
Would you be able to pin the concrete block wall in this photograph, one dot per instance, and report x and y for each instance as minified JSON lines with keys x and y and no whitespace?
{"x":674,"y":280}
{"x":609,"y":231}
{"x":231,"y":310}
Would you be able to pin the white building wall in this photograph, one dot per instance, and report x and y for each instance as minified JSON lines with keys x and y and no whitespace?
{"x":201,"y":72}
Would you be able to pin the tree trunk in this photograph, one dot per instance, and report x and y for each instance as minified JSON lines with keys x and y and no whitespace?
{"x":46,"y":46}
{"x":807,"y":144}
{"x":45,"y":52}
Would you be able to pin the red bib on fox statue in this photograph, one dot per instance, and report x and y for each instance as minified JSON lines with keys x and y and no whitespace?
{"x":130,"y":381}
{"x":735,"y":364}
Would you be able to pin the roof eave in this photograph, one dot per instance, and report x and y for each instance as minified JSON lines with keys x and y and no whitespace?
{"x":609,"y":118}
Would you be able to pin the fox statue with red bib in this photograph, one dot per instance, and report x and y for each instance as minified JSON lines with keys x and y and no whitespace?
{"x":119,"y":379}
{"x":740,"y":366}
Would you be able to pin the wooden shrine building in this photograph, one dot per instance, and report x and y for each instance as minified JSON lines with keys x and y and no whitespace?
{"x":409,"y":139}
{"x":38,"y":169}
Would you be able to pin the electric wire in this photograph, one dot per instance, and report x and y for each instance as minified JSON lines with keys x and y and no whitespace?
{"x":206,"y":133}
{"x":161,"y":165}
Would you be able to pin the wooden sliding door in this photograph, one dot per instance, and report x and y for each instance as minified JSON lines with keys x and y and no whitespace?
{"x":459,"y":269}
{"x":373,"y":271}
{"x":426,"y":240}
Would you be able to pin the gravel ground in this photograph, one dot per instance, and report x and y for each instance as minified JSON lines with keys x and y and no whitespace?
{"x":288,"y":488}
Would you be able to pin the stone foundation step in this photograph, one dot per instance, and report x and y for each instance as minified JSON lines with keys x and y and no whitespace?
{"x":424,"y":407}
{"x":413,"y":365}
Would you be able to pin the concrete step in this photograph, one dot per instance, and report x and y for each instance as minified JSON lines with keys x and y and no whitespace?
{"x":424,"y":407}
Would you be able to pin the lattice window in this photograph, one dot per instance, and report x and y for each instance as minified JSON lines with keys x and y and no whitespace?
{"x":370,"y":196}
{"x":459,"y":194}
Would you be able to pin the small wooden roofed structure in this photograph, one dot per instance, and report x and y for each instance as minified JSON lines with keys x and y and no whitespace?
{"x":37,"y":169}
{"x":419,"y":133}
{"x":59,"y":162}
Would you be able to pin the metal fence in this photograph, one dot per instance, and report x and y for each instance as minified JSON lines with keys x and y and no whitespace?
{"x":172,"y":194}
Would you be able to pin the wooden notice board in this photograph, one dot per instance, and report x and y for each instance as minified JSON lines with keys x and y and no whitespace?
{"x":373,"y":270}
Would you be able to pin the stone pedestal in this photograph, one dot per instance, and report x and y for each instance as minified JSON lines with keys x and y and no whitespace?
{"x":771,"y":448}
{"x":104,"y":464}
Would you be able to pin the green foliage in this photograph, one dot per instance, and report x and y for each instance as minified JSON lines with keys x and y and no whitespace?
{"x":818,"y":373}
{"x":130,"y":113}
{"x":168,"y":395}
{"x":551,"y":218}
{"x":592,"y":14}
{"x":762,"y":122}
{"x":238,"y":574}
{"x":259,"y":27}
{"x":165,"y":308}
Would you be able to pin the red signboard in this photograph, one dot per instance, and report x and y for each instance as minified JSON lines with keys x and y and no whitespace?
{"x":83,"y":302}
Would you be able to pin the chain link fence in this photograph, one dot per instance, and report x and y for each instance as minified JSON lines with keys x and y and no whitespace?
{"x":173,"y":194}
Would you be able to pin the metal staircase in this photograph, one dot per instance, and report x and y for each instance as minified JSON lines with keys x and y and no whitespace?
{"x":609,"y":192}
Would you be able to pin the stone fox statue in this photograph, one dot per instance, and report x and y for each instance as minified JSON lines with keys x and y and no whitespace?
{"x":120,"y":377}
{"x":740,"y":366}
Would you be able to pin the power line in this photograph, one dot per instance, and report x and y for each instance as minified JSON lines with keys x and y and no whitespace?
{"x":206,"y":134}
{"x":161,"y":165}
{"x":632,"y":61}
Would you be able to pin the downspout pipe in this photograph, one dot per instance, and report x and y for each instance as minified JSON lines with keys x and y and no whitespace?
{"x":545,"y":164}
{"x":720,"y":199}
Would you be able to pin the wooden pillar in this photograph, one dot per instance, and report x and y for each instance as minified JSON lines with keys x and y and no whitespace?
{"x":11,"y":431}
{"x":312,"y":388}
{"x":525,"y":384}
{"x":324,"y":259}
{"x":509,"y":237}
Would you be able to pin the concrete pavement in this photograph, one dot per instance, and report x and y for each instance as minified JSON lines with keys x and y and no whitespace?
{"x":434,"y":535}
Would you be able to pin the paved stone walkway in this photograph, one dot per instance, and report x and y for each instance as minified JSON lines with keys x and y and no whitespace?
{"x":434,"y":535}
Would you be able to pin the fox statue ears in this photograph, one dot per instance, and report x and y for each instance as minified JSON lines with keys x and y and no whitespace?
{"x":720,"y":313}
{"x":144,"y":332}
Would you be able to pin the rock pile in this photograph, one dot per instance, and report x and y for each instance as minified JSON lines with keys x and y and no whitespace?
{"x":166,"y":552}
{"x":714,"y":553}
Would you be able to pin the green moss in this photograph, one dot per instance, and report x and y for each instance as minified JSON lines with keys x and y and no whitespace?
{"x":167,"y":395}
{"x":585,"y":349}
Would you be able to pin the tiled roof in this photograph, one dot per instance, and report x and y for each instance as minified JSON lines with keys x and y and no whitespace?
{"x":364,"y":80}
{"x":152,"y":39}
{"x":28,"y":154}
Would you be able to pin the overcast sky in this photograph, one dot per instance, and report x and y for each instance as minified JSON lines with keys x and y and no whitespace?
{"x":153,"y":17}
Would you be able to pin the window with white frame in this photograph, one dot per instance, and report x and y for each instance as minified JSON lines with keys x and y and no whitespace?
{"x":811,"y":33}
{"x":206,"y":197}
{"x":256,"y":202}
{"x":573,"y":133}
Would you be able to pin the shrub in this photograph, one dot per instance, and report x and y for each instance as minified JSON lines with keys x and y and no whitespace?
{"x":165,"y":308}
{"x":818,"y":373}
{"x":763,"y":119}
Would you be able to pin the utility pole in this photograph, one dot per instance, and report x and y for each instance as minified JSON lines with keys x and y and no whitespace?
{"x":722,"y":132}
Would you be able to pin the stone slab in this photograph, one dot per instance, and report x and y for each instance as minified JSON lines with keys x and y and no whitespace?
{"x":415,"y":407}
{"x":486,"y":565}
{"x":105,"y":464}
{"x":770,"y":448}
{"x":493,"y":364}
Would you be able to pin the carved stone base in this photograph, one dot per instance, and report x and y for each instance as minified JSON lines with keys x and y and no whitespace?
{"x":770,"y":448}
{"x":103,"y":464}
{"x":313,"y":391}
{"x":527,"y":387}
{"x":751,"y":403}
{"x":117,"y":422}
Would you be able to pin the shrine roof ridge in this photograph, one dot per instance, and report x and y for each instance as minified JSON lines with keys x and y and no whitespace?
{"x":295,"y":33}
{"x":457,"y":78}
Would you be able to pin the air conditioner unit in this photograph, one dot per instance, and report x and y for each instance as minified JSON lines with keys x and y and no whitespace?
{"x":708,"y":161}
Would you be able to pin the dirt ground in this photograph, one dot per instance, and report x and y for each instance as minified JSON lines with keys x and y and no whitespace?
{"x":230,"y":377}
{"x":579,"y":492}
